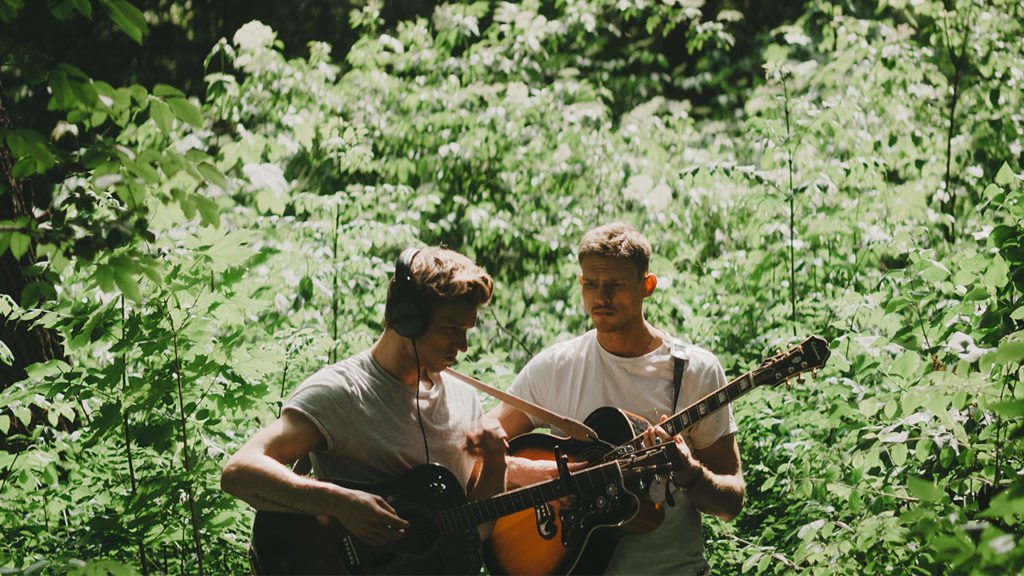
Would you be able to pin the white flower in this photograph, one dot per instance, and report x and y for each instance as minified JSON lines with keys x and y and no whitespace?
{"x":253,"y":35}
{"x":393,"y":43}
{"x":563,"y":153}
{"x":983,"y":234}
{"x":805,"y":68}
{"x":638,"y":187}
{"x":963,"y":346}
{"x":266,"y":177}
{"x":797,"y":38}
{"x":660,"y":197}
{"x":517,"y":92}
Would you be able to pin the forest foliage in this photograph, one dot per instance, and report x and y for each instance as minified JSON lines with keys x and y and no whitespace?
{"x":197,"y":248}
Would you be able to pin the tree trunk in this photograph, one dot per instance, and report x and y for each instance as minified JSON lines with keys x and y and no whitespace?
{"x":29,"y":345}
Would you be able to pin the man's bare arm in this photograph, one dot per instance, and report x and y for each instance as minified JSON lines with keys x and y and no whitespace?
{"x":716,"y":485}
{"x":259,"y":475}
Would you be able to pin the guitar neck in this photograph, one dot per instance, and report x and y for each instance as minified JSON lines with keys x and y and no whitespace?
{"x":471,"y":514}
{"x":809,"y":355}
{"x":708,"y":405}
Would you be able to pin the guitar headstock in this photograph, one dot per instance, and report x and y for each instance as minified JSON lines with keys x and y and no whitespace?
{"x":810,"y":354}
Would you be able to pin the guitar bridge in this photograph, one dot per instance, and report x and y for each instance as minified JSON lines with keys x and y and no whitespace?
{"x":351,"y":555}
{"x":546,"y":526}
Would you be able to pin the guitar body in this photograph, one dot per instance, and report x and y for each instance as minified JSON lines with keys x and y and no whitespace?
{"x":284,"y":543}
{"x":552,"y":539}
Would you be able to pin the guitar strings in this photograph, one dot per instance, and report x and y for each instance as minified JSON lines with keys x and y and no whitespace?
{"x":638,"y":438}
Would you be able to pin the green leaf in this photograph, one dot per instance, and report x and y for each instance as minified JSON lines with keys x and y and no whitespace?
{"x":160,"y":112}
{"x":6,"y":356}
{"x":19,"y":244}
{"x":976,"y":293}
{"x":923,"y":489}
{"x":105,"y":277}
{"x":231,"y":250}
{"x":997,"y":274}
{"x":23,"y":414}
{"x":934,"y":271}
{"x":7,"y":305}
{"x":1005,"y":175}
{"x":165,"y":91}
{"x":126,"y":282}
{"x":185,"y":111}
{"x":899,"y":454}
{"x":84,"y":7}
{"x":128,"y":18}
{"x":1010,"y":409}
{"x":1009,"y":352}
{"x":213,"y":175}
{"x":1009,"y":504}
{"x":5,"y":424}
{"x":208,"y":210}
{"x":63,"y":95}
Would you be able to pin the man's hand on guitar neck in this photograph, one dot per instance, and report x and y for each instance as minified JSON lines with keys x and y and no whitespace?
{"x":712,"y":477}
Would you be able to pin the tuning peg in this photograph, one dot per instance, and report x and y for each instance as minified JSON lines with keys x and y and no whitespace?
{"x":800,"y":379}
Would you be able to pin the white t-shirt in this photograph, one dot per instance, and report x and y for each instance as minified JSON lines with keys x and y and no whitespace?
{"x":576,"y":377}
{"x":370,"y":423}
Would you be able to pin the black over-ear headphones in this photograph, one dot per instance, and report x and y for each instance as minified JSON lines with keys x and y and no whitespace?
{"x":407,"y":311}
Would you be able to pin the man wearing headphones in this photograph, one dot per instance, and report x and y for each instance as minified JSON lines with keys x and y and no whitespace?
{"x":377,"y":414}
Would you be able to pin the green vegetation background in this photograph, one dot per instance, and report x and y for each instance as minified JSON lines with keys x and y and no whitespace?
{"x":202,"y":202}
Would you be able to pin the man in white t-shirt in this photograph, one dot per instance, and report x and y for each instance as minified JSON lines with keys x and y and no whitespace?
{"x":626,"y":363}
{"x":373,"y":416}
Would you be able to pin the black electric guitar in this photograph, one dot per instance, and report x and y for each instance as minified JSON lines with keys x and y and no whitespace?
{"x":442,"y":537}
{"x":552,"y":539}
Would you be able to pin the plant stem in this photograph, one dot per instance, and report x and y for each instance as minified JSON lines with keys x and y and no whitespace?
{"x":957,"y":58}
{"x":792,"y":207}
{"x":184,"y":440}
{"x":127,"y":435}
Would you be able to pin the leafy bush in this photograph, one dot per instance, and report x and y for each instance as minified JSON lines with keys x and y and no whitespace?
{"x":256,"y":229}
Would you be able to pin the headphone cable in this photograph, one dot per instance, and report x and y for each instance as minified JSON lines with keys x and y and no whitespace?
{"x":419,"y":415}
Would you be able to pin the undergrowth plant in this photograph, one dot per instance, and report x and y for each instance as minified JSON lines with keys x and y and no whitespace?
{"x":257,"y":227}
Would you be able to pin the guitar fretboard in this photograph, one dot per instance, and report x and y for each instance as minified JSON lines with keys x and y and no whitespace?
{"x":809,"y":355}
{"x":471,"y":514}
{"x":709,"y":404}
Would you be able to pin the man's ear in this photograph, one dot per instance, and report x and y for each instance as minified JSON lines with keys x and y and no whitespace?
{"x":580,"y":279}
{"x":650,"y":283}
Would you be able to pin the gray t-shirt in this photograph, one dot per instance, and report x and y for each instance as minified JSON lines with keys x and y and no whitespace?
{"x":576,"y":377}
{"x":370,"y":423}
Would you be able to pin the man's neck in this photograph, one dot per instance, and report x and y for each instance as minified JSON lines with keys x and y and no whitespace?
{"x":630,"y":342}
{"x":394,"y":354}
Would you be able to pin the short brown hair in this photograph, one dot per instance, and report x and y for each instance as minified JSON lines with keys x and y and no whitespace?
{"x":617,"y":240}
{"x":443,"y":275}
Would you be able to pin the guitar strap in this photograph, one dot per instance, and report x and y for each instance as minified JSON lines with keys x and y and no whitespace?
{"x":680,"y":358}
{"x":573,"y":428}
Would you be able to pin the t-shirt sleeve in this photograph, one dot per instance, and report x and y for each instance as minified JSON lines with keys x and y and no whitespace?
{"x":711,"y":376}
{"x":318,"y":400}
